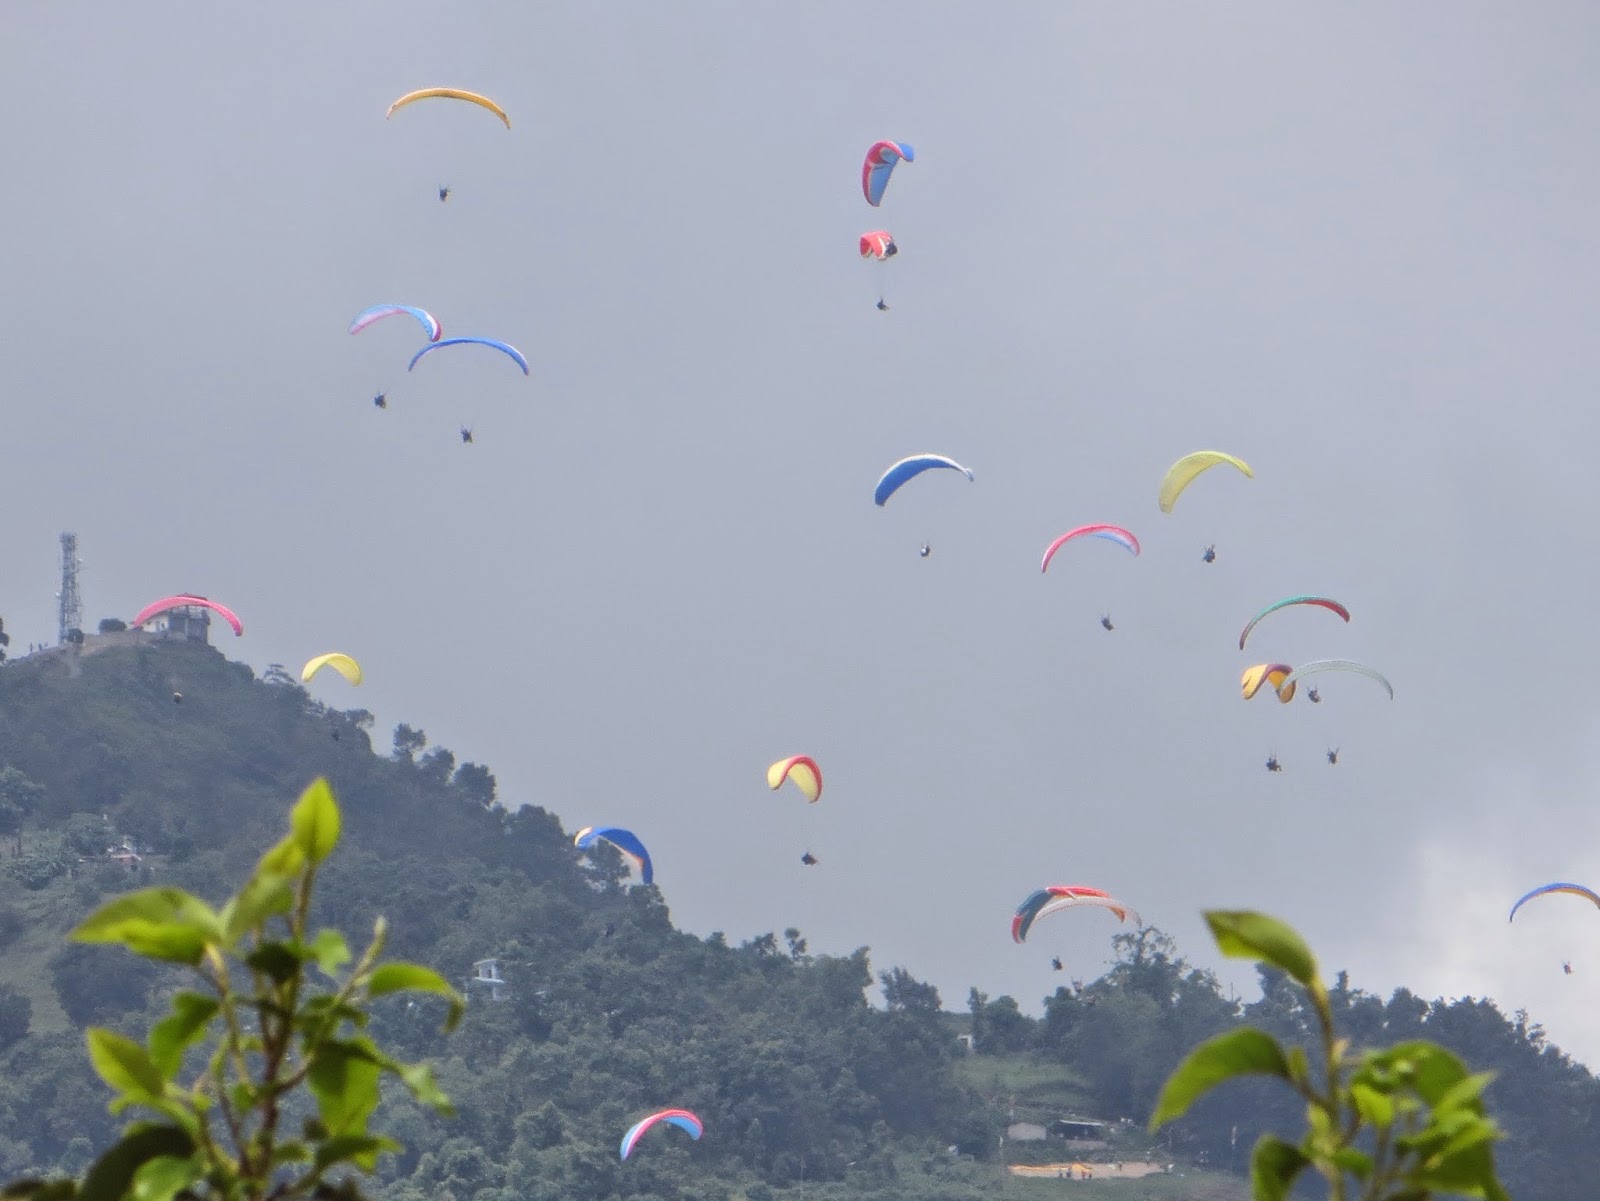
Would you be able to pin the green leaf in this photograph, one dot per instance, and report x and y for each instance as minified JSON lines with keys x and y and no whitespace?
{"x":164,"y":1177}
{"x":112,"y":1174}
{"x":1274,"y":1165}
{"x":344,"y":1080}
{"x":1237,"y":1053}
{"x":286,"y":860}
{"x":1241,"y":934}
{"x":124,"y":1065}
{"x":158,"y":923}
{"x":1374,"y":1107}
{"x":410,"y":977}
{"x":314,"y":821}
{"x":360,"y":1149}
{"x":1357,"y":1163}
{"x":1466,"y":1094}
{"x":173,"y":1035}
{"x":275,"y":959}
{"x":330,"y":951}
{"x":418,"y":1078}
{"x":266,"y":895}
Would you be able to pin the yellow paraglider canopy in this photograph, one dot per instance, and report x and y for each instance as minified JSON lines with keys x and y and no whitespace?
{"x":1182,"y":473}
{"x":449,"y":94}
{"x":343,"y":664}
{"x":1267,"y":673}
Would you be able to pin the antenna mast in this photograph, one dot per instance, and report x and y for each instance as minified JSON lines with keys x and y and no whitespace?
{"x":70,"y":606}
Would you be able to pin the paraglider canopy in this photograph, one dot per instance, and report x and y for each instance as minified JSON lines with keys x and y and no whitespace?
{"x":448,"y":94}
{"x":908,"y":469}
{"x":1577,"y":890}
{"x":1320,"y":665}
{"x":1182,"y":473}
{"x":879,"y":165}
{"x":802,"y":770}
{"x":1043,"y":902}
{"x":1111,"y":533}
{"x":878,"y":244}
{"x":184,"y":601}
{"x":343,"y":664}
{"x":430,"y":323}
{"x":1323,"y":602}
{"x":681,"y":1118}
{"x":493,"y":343}
{"x":625,"y":841}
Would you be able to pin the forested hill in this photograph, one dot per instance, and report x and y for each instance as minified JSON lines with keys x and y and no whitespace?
{"x":185,"y":764}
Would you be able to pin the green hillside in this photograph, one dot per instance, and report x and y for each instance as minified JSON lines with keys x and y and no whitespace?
{"x":814,"y":1079}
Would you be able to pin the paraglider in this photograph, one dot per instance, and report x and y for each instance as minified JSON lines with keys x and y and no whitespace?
{"x":177,"y":698}
{"x":1577,"y":890}
{"x":1322,"y":602}
{"x":1267,"y":673}
{"x":381,"y":400}
{"x":1273,"y":764}
{"x":183,"y":601}
{"x":1111,"y":533}
{"x":1182,"y":473}
{"x":909,"y":468}
{"x":802,"y":770}
{"x":1210,"y":555}
{"x":625,"y":841}
{"x":1320,"y":665}
{"x":1043,"y":902}
{"x":680,"y":1118}
{"x":879,"y":165}
{"x":343,"y":664}
{"x":493,"y":343}
{"x":448,"y":94}
{"x":430,"y":323}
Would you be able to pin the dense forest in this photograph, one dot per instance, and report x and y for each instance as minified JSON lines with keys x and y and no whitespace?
{"x":125,"y":762}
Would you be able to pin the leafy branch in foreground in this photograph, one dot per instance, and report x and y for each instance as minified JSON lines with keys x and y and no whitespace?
{"x":269,"y":1031}
{"x":1404,"y":1123}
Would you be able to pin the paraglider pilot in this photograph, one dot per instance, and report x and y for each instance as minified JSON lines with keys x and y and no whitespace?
{"x":1211,"y":554}
{"x":444,"y":193}
{"x":466,"y":434}
{"x":925,"y":551}
{"x":1056,"y":963}
{"x":1333,"y":754}
{"x":809,"y":859}
{"x":381,"y":400}
{"x":1313,"y":695}
{"x":882,"y":307}
{"x":1106,"y":622}
{"x":1273,"y":764}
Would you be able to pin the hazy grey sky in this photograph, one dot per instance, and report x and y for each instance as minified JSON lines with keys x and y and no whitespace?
{"x":1355,"y":245}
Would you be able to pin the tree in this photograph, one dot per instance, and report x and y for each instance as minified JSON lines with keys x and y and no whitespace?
{"x":476,"y":782}
{"x":18,"y":797}
{"x":407,"y":742}
{"x":16,"y":1012}
{"x":112,"y":625}
{"x":903,"y":992}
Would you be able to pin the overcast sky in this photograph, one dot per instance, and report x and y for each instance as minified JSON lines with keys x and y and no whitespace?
{"x":1354,"y":245}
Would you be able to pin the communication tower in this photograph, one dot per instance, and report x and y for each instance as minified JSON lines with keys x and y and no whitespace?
{"x":69,"y":603}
